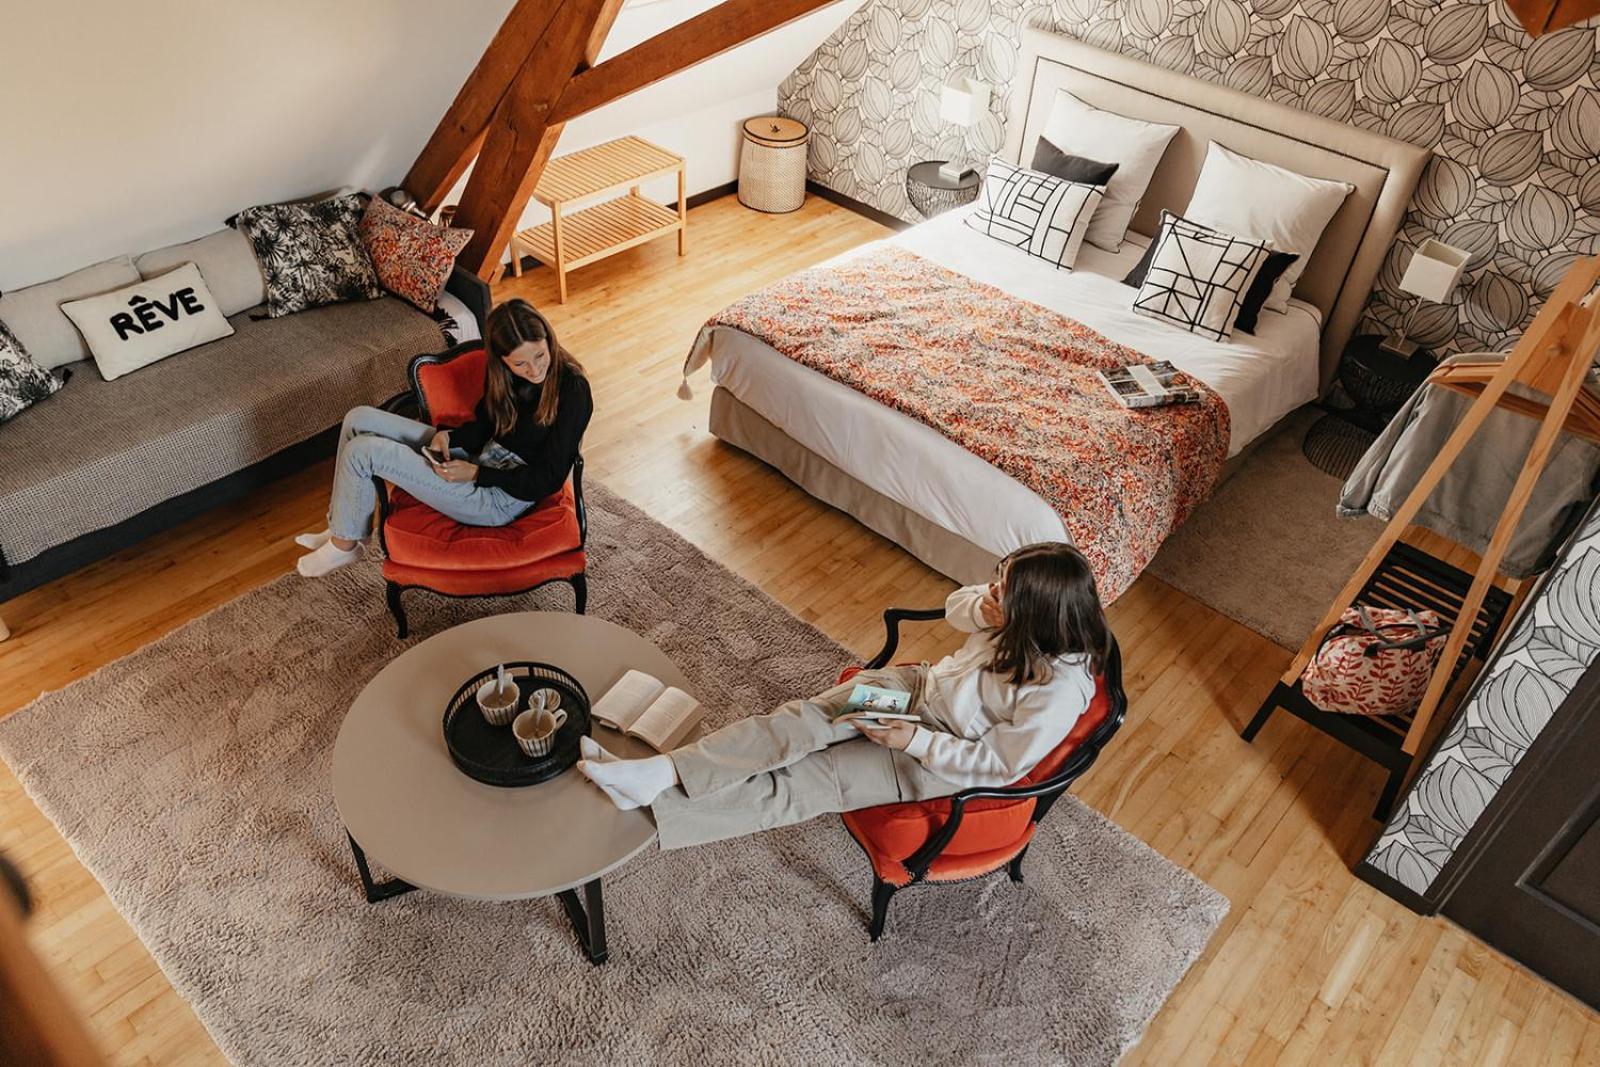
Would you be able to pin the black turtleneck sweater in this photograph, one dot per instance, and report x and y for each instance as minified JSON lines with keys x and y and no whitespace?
{"x":547,"y":452}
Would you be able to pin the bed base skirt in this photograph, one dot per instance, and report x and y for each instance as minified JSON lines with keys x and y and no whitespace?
{"x":948,"y":553}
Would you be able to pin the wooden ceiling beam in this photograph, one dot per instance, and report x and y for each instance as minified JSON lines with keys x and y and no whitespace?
{"x":522,"y":133}
{"x":459,"y":135}
{"x":695,"y":40}
{"x":539,"y":72}
{"x":1540,"y":17}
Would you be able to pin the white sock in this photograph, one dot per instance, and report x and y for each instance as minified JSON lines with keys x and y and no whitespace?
{"x":590,"y":749}
{"x":313,"y":541}
{"x":327,"y":559}
{"x":631,"y":783}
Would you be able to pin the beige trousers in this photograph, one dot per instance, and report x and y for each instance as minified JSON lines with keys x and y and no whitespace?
{"x":788,"y":766}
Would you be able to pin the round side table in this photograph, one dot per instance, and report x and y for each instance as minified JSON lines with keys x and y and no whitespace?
{"x":1378,"y":382}
{"x":405,"y":804}
{"x":932,"y":195}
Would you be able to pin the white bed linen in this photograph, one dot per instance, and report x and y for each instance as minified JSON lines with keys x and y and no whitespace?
{"x":1261,"y":378}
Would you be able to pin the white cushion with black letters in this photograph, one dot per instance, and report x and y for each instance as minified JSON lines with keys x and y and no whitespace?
{"x":1198,"y":277}
{"x":1042,"y":215}
{"x":136,"y":326}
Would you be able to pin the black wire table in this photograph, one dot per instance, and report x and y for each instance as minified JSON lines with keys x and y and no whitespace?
{"x":932,"y":195}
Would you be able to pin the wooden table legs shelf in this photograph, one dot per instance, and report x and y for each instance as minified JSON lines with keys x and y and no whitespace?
{"x":572,"y":239}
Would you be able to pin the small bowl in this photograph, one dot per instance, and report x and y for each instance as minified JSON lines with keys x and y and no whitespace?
{"x":526,"y":730}
{"x":498,"y":714}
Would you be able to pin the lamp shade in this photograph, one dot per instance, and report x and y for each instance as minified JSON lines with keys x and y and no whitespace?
{"x":1434,"y":269}
{"x":964,"y":103}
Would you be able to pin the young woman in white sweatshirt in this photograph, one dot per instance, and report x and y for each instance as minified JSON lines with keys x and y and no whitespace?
{"x":987,"y":715}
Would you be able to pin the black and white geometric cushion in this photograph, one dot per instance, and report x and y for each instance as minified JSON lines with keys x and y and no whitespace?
{"x":1040,"y":214}
{"x":22,"y":381}
{"x":311,"y":253}
{"x":1198,"y":277}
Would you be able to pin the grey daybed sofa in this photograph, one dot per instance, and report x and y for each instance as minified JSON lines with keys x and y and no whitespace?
{"x":101,"y":464}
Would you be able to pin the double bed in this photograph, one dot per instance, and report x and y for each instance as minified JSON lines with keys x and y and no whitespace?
{"x":958,"y":512}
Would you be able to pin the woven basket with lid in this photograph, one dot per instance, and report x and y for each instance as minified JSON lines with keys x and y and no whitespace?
{"x":772,"y":164}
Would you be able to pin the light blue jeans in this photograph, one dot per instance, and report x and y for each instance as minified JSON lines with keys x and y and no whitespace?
{"x":378,"y":444}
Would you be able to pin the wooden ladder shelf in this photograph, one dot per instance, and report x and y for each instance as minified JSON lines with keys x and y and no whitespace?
{"x":1554,"y":358}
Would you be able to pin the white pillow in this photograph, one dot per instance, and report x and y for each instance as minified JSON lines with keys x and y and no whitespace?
{"x":136,"y":326}
{"x":1289,"y":211}
{"x":1198,"y":277}
{"x":1136,"y":147}
{"x":1043,"y":215}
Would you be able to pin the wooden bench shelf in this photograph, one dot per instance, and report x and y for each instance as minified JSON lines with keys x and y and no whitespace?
{"x":571,"y":240}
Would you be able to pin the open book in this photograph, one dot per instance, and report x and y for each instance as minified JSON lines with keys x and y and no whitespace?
{"x":641,"y":705}
{"x":877,"y":704}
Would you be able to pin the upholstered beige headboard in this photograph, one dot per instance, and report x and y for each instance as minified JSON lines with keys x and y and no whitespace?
{"x":1341,"y":272}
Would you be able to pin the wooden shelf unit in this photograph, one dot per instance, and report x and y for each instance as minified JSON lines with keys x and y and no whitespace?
{"x":572,"y":239}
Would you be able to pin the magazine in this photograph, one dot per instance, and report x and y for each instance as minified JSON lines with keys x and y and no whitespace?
{"x":1148,"y":385}
{"x":641,"y":705}
{"x":877,"y":704}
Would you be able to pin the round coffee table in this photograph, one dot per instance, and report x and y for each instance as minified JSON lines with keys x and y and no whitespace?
{"x":406,"y":805}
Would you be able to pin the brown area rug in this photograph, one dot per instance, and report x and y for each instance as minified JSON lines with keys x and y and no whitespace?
{"x":1267,"y":550}
{"x":192,"y":778}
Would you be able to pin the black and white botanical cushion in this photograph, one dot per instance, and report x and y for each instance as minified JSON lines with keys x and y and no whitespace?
{"x":311,"y":253}
{"x":22,"y":381}
{"x":1198,"y":277}
{"x":1040,"y":214}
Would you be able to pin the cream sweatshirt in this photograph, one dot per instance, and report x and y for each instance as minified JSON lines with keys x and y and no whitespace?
{"x":985,"y":731}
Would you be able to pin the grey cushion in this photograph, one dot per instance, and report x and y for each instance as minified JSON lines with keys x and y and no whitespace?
{"x":99,"y":452}
{"x":34,"y":314}
{"x":226,"y":262}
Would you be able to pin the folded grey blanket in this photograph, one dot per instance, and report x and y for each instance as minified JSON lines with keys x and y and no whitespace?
{"x":1469,"y":500}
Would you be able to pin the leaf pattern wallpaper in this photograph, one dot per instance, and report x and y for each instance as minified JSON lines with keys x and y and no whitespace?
{"x":1551,"y":648}
{"x":1514,"y":123}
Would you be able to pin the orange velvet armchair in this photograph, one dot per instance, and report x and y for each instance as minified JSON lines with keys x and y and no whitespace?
{"x":977,"y":831}
{"x":426,"y":550}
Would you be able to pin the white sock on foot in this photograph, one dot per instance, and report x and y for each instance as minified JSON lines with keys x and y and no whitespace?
{"x":631,"y":783}
{"x":590,"y":749}
{"x":313,"y":541}
{"x":326,"y":560}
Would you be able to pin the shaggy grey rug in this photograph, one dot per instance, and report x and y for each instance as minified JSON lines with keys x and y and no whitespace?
{"x":1268,"y":549}
{"x":192,"y":778}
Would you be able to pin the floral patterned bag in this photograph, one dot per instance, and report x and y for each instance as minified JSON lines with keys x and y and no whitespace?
{"x":1375,"y":661}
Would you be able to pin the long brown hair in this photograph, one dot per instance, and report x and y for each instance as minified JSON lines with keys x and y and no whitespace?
{"x":1051,"y":609}
{"x":510,"y":326}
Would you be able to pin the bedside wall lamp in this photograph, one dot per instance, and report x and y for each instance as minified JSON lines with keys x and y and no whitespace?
{"x":1432,"y":274}
{"x":964,"y":104}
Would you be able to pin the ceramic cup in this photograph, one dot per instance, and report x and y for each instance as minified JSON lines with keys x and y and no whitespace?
{"x":535,"y":730}
{"x":499,"y":708}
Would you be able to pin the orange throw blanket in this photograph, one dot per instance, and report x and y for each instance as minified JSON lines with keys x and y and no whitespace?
{"x":1011,"y":382}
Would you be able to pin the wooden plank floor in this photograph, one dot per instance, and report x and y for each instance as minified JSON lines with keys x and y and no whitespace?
{"x":1311,"y":966}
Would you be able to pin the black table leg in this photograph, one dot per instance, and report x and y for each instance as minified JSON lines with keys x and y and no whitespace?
{"x":588,"y":923}
{"x":376,"y":891}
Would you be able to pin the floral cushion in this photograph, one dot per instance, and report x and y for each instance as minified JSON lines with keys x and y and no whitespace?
{"x":22,"y":381}
{"x":310,"y":253}
{"x":413,"y":257}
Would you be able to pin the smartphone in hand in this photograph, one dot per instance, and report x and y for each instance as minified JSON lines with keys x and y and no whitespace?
{"x":438,"y":459}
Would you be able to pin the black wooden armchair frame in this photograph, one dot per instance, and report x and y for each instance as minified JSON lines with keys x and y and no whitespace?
{"x":1044,"y":793}
{"x":394,"y":590}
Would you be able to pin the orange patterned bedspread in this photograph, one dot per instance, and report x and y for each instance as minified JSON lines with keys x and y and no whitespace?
{"x":1010,"y":381}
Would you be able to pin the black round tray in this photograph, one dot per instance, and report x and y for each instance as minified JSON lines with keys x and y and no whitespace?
{"x":490,"y":754}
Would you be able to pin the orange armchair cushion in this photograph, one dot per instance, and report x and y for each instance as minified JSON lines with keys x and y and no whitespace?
{"x":488,"y":583}
{"x":451,"y":391}
{"x":417,"y":537}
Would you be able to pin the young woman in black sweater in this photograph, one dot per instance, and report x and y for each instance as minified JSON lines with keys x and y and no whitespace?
{"x":518,"y":449}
